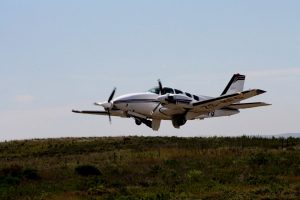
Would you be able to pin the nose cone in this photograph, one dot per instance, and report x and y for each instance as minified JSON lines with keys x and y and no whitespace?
{"x":104,"y":104}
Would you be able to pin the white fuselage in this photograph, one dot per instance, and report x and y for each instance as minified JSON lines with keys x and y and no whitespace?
{"x":143,"y":104}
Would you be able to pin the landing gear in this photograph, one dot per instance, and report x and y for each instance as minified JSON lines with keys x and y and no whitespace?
{"x":154,"y":124}
{"x":138,"y":122}
{"x":178,"y":121}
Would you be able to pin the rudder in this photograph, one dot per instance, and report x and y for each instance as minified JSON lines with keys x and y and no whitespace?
{"x":236,"y":84}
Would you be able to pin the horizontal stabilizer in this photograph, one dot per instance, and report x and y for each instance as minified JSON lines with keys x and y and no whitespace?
{"x":247,"y":105}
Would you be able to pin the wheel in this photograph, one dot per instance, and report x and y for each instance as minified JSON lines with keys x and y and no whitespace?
{"x":138,"y":122}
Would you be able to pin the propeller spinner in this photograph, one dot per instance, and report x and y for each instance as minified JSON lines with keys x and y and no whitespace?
{"x":108,"y":105}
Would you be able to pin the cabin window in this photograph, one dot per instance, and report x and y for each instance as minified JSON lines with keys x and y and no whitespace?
{"x":188,"y":94}
{"x":178,"y":91}
{"x":168,"y":90}
{"x":196,"y":97}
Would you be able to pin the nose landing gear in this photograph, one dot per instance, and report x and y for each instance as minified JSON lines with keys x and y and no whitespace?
{"x":154,"y":124}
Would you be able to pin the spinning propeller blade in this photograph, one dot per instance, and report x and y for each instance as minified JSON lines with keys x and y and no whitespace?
{"x":155,"y":108}
{"x":160,"y":93}
{"x":109,"y":100}
{"x":112,"y":95}
{"x":160,"y":87}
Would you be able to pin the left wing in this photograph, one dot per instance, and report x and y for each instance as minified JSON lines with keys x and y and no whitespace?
{"x":117,"y":113}
{"x":223,"y":101}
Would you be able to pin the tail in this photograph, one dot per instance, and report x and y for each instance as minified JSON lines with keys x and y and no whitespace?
{"x":236,"y":84}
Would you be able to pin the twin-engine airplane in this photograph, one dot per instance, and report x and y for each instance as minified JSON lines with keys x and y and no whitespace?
{"x":164,"y":103}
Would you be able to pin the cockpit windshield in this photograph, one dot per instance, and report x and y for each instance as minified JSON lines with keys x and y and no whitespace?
{"x":154,"y":90}
{"x":167,"y":90}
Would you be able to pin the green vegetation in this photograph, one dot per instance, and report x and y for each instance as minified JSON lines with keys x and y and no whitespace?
{"x":151,"y":168}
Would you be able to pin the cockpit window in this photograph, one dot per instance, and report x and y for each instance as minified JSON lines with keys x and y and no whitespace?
{"x":188,"y":94}
{"x":154,"y":90}
{"x":168,"y":90}
{"x":178,"y":91}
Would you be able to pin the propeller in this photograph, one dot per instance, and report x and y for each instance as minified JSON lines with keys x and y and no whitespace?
{"x":112,"y":95}
{"x":160,"y":93}
{"x":160,"y":87}
{"x":111,"y":105}
{"x":108,"y":105}
{"x":155,"y":108}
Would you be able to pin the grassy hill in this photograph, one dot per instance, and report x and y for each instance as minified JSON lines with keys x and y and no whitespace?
{"x":151,"y":168}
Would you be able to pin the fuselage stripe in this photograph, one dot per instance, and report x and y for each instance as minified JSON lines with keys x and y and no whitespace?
{"x":137,"y":101}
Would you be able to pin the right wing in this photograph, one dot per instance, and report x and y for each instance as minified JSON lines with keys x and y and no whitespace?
{"x":210,"y":105}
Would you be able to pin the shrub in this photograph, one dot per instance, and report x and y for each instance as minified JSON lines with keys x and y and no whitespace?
{"x":259,"y":159}
{"x":31,"y":174}
{"x":172,"y":163}
{"x":87,"y":170}
{"x":154,"y":170}
{"x":13,"y":170}
{"x":194,"y":175}
{"x":9,"y":181}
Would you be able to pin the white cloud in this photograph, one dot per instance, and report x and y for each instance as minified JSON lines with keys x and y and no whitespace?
{"x":24,"y":99}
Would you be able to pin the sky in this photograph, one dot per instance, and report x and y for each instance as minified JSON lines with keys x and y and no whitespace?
{"x":56,"y":56}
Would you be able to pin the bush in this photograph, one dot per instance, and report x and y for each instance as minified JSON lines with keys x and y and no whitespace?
{"x":31,"y":174}
{"x":194,"y":175}
{"x":87,"y":170}
{"x":259,"y":159}
{"x":13,"y":170}
{"x":9,"y":181}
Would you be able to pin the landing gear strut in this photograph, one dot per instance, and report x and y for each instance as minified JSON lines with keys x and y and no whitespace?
{"x":154,"y":124}
{"x":139,"y":121}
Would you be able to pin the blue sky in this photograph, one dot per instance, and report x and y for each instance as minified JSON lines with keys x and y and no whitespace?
{"x":60,"y":55}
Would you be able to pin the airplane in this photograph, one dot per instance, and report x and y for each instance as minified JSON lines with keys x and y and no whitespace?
{"x":165,"y":103}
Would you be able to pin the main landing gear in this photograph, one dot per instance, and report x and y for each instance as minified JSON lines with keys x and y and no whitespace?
{"x":138,"y":122}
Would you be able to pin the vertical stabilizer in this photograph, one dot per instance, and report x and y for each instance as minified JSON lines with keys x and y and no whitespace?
{"x":236,"y":84}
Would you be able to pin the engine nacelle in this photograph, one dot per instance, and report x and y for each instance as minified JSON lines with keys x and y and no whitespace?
{"x":175,"y":99}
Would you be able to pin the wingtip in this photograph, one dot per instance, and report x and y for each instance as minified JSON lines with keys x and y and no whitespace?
{"x":259,"y":91}
{"x":75,"y":111}
{"x":239,"y":75}
{"x":265,"y":104}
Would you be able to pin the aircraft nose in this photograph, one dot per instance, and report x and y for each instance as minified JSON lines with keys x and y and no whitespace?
{"x":119,"y":100}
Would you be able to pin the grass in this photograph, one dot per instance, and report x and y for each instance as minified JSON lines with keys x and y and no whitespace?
{"x":151,"y":168}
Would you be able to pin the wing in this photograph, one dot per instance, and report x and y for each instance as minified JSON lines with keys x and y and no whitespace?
{"x":223,"y":101}
{"x":247,"y":105}
{"x":117,"y":113}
